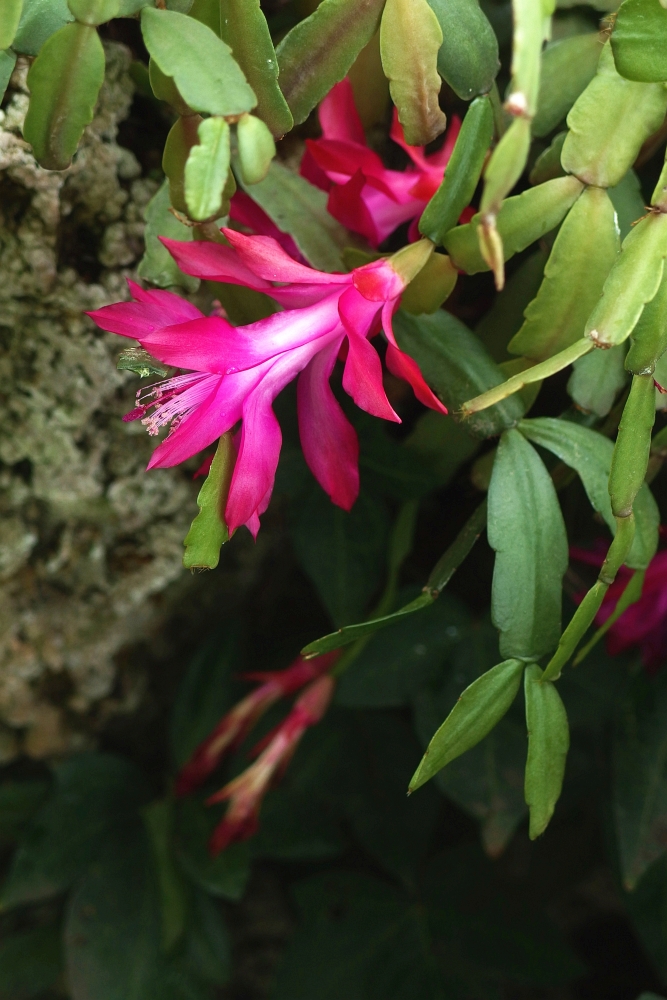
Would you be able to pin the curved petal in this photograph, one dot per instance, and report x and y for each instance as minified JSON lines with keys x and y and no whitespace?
{"x":358,"y":315}
{"x":338,"y":115}
{"x":202,"y":344}
{"x":267,"y":259}
{"x":403,"y":366}
{"x":347,"y":205}
{"x":256,"y":463}
{"x":344,"y":159}
{"x":378,"y":281}
{"x":246,"y":211}
{"x":329,"y":442}
{"x":362,"y":379}
{"x":215,"y":262}
{"x":150,"y":311}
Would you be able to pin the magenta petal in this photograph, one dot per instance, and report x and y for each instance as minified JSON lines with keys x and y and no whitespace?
{"x":329,"y":442}
{"x":358,"y":314}
{"x":338,"y":115}
{"x":203,"y":344}
{"x":347,"y":205}
{"x":416,"y":153}
{"x":362,"y":379}
{"x":153,"y":311}
{"x":405,"y":367}
{"x":378,"y":281}
{"x":214,"y":262}
{"x":267,"y":259}
{"x":257,"y":461}
{"x":246,"y":211}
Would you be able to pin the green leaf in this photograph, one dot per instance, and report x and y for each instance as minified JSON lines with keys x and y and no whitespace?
{"x":581,"y":258}
{"x":157,"y":265}
{"x":204,"y":70}
{"x":30,"y":962}
{"x":480,"y":707}
{"x":547,"y":166}
{"x":182,"y":138}
{"x":530,"y":27}
{"x":468,"y":56}
{"x":487,"y":781}
{"x":206,"y":170}
{"x":19,"y":801}
{"x":647,"y":906}
{"x":398,"y":661}
{"x":64,"y":82}
{"x":568,"y":66}
{"x":440,"y":445}
{"x":640,"y":777}
{"x":632,"y":282}
{"x":431,"y":286}
{"x":628,"y":201}
{"x":638,"y":41}
{"x":391,"y":469}
{"x":7,"y":64}
{"x":597,"y":379}
{"x":531,"y":553}
{"x":608,"y":124}
{"x":342,"y":553}
{"x":39,"y":20}
{"x":113,"y":912}
{"x":300,"y":209}
{"x":244,"y":28}
{"x":208,"y":532}
{"x":205,"y":693}
{"x":457,"y":367}
{"x":505,"y":316}
{"x":410,"y":37}
{"x":590,"y":454}
{"x":158,"y":820}
{"x":521,"y":221}
{"x":318,"y":51}
{"x":10,"y":15}
{"x":548,"y":743}
{"x":93,"y":795}
{"x":208,"y":948}
{"x":463,"y":171}
{"x":94,"y":12}
{"x":648,"y":342}
{"x":256,"y":148}
{"x":505,"y":166}
{"x":227,"y":874}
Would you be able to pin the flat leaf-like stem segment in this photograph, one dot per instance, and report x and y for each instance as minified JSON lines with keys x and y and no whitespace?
{"x":206,"y":169}
{"x":480,"y":707}
{"x":442,"y":573}
{"x":64,"y":82}
{"x":207,"y":76}
{"x":639,"y":41}
{"x":10,"y":15}
{"x":318,"y":52}
{"x":531,"y":552}
{"x":410,"y":38}
{"x":208,"y":532}
{"x":568,"y":66}
{"x":521,"y":221}
{"x":548,"y":743}
{"x":468,"y":56}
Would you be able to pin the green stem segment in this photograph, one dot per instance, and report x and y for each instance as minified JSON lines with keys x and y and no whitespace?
{"x":631,"y":594}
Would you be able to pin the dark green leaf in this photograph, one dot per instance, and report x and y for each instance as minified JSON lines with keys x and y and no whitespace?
{"x":548,"y":743}
{"x":93,"y":794}
{"x":568,"y":66}
{"x":505,"y":316}
{"x":398,"y":471}
{"x":531,"y":553}
{"x":628,"y":201}
{"x":343,"y":553}
{"x":638,"y":41}
{"x":244,"y":28}
{"x":158,"y":819}
{"x":204,"y":70}
{"x":10,"y":15}
{"x":157,"y":265}
{"x":457,"y":366}
{"x":439,"y":444}
{"x":548,"y":165}
{"x":39,"y":20}
{"x":487,"y":781}
{"x":463,"y":171}
{"x":319,"y":51}
{"x":208,"y":948}
{"x":640,"y":777}
{"x":64,"y":82}
{"x":478,"y":709}
{"x":19,"y":801}
{"x":399,"y":660}
{"x":468,"y":56}
{"x":205,"y":693}
{"x":30,"y":962}
{"x":225,"y":875}
{"x":112,"y":925}
{"x":7,"y":64}
{"x":300,"y":209}
{"x":647,"y":905}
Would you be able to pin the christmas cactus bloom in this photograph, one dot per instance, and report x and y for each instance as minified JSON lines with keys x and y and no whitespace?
{"x":245,"y":793}
{"x":235,"y":373}
{"x":364,"y":195}
{"x":643,"y":624}
{"x":237,"y":723}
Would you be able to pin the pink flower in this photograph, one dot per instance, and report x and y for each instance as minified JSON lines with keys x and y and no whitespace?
{"x":245,"y":793}
{"x":364,"y":195}
{"x":236,"y":372}
{"x":643,"y":624}
{"x":236,"y":724}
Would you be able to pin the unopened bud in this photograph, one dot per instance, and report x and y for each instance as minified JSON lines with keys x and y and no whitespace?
{"x":256,"y":148}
